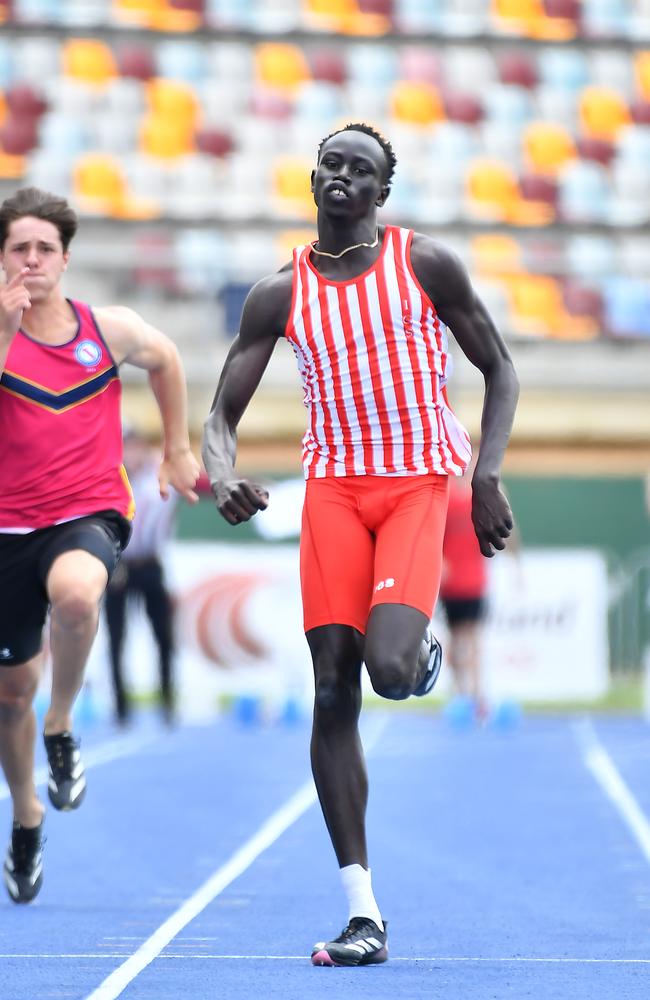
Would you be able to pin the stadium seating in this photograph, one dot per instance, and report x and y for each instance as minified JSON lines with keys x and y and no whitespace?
{"x":492,"y":191}
{"x":291,"y":186}
{"x":88,"y":60}
{"x":627,"y":307}
{"x":416,"y":102}
{"x":547,"y":147}
{"x":216,"y":117}
{"x":603,"y":112}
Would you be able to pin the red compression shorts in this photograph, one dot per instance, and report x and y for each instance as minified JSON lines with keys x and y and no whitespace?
{"x":370,"y":540}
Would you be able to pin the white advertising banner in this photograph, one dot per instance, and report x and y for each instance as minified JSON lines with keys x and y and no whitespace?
{"x":239,"y":627}
{"x":545,"y":636}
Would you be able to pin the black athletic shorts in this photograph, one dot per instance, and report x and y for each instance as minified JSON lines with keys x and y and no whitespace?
{"x":463,"y":609}
{"x":25,"y":562}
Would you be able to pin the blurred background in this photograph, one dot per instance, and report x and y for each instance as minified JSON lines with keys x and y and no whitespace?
{"x":184,"y":132}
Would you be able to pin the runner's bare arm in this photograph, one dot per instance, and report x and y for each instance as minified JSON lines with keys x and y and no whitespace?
{"x":446,"y":281}
{"x":131,"y":340}
{"x":263,"y":321}
{"x":14,"y":299}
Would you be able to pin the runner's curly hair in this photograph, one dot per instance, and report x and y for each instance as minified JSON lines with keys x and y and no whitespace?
{"x":391,"y":159}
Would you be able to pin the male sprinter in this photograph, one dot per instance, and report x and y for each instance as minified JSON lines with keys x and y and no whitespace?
{"x":365,"y":309}
{"x":65,"y":500}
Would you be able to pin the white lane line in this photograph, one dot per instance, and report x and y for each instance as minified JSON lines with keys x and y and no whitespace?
{"x":497,"y":960}
{"x":103,"y":753}
{"x":242,"y":859}
{"x":610,"y":780}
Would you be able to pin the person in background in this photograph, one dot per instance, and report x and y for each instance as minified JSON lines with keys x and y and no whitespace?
{"x":365,"y":308}
{"x":463,"y":593}
{"x":141,"y":574}
{"x":65,"y":501}
{"x":464,"y":596}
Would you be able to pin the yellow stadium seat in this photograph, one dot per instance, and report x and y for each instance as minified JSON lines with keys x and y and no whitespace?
{"x":528,"y":212}
{"x":529,"y":17}
{"x":12,"y":166}
{"x":89,"y":61}
{"x":346,"y":17}
{"x":603,"y":112}
{"x":577,"y":328}
{"x":537,"y":307}
{"x":642,"y":70}
{"x":517,"y":15}
{"x":491,"y":189}
{"x":418,"y":103}
{"x":366,"y":23}
{"x":139,"y":13}
{"x":166,"y":136}
{"x":173,"y":99}
{"x":555,"y":29}
{"x":100,"y":188}
{"x":174,"y":17}
{"x":547,"y":147}
{"x":331,"y":8}
{"x":291,"y":185}
{"x":330,"y":14}
{"x":281,"y":66}
{"x":495,"y":255}
{"x":98,"y":182}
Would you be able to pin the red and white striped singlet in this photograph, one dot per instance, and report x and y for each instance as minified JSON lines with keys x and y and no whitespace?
{"x":373,"y":358}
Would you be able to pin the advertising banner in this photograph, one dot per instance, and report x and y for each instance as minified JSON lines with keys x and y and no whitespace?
{"x":239,"y":628}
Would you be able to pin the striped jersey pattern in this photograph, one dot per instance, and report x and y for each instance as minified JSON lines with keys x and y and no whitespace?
{"x":372,"y":354}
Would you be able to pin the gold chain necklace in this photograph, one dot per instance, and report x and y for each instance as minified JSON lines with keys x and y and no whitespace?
{"x":335,"y":256}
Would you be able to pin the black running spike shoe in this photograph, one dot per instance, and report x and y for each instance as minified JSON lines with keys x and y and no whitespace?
{"x":360,"y":943}
{"x":23,"y":867}
{"x":431,"y":656}
{"x":66,"y":785}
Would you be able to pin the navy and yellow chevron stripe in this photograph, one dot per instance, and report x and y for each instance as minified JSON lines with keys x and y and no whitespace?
{"x":57,"y":402}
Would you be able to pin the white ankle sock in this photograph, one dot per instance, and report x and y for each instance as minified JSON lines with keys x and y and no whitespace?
{"x":358,"y":888}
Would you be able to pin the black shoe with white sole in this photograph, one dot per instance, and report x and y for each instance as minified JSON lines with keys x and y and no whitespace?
{"x":66,"y":784}
{"x":431,"y":654}
{"x":23,"y":867}
{"x":360,"y":943}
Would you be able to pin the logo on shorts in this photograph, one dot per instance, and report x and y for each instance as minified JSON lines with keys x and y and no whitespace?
{"x":389,"y":582}
{"x":5,"y":653}
{"x":88,"y":353}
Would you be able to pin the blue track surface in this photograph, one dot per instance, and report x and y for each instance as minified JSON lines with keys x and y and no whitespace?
{"x":502,"y":866}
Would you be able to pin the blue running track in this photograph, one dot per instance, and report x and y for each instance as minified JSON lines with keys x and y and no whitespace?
{"x":508,"y":864}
